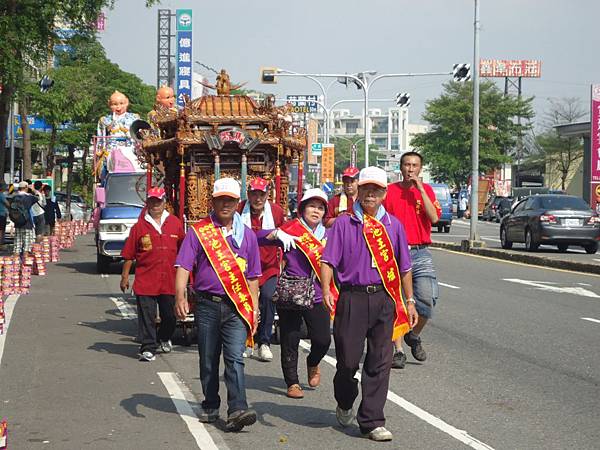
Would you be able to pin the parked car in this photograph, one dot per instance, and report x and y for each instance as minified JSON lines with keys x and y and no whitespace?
{"x":442,"y":195}
{"x":503,"y":208}
{"x":490,"y":208}
{"x":560,"y":220}
{"x":79,"y":208}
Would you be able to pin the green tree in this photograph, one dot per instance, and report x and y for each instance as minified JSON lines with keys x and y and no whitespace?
{"x":446,"y":147}
{"x":343,"y":150}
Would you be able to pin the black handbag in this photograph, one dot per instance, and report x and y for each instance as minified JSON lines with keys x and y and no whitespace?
{"x":294,"y":292}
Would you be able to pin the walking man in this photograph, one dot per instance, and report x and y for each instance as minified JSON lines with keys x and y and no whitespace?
{"x":258,"y":213}
{"x":51,"y":211}
{"x":342,"y":203}
{"x":38,"y":211}
{"x":20,"y":213}
{"x":153,"y":243}
{"x":370,"y":253}
{"x":223,"y":255}
{"x":413,"y":203}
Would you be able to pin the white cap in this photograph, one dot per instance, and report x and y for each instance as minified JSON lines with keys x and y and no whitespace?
{"x":372,"y":175}
{"x":226,"y":187}
{"x":314,"y":193}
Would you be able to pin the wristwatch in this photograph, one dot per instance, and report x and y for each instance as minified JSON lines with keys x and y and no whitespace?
{"x":411,"y":300}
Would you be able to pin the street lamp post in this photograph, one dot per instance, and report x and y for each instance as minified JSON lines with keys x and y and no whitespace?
{"x":473,"y":235}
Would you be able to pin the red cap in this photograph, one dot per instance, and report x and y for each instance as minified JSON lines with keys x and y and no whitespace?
{"x":351,"y":172}
{"x":156,"y":192}
{"x":259,"y":184}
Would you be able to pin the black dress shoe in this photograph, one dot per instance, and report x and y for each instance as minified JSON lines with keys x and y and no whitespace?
{"x":240,"y":419}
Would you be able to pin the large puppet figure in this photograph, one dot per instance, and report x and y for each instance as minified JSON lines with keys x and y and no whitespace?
{"x":117,"y":123}
{"x":165,"y":100}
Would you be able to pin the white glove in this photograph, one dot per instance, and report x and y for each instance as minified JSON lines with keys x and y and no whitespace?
{"x":288,"y":241}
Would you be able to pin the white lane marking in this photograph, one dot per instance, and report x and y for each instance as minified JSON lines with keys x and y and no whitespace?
{"x":460,"y":435}
{"x":596,"y":259}
{"x":9,"y":306}
{"x":187,"y":414}
{"x":451,"y":286}
{"x":584,"y":284}
{"x":103,"y":275}
{"x":489,"y":238}
{"x":590,"y":319}
{"x":127,"y":311}
{"x":544,"y":286}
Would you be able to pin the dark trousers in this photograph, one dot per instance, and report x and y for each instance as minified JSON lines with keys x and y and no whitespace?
{"x":146,"y":308}
{"x":361,"y":316}
{"x":267,"y":312}
{"x":220,"y":328}
{"x":290,"y":325}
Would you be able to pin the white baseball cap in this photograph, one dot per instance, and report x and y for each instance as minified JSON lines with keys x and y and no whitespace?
{"x":226,"y":187}
{"x":314,"y":193}
{"x":372,"y":175}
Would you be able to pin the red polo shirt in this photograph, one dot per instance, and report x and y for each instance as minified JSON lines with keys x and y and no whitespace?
{"x":270,"y":256}
{"x":154,"y":254}
{"x":407,"y":205}
{"x":333,"y":209}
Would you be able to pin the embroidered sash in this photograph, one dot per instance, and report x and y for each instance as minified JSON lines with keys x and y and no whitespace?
{"x":310,"y":247}
{"x":228,"y":270}
{"x":380,"y":246}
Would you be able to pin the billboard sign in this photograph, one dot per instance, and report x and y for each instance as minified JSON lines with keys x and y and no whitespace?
{"x":595,"y":148}
{"x":525,"y":68}
{"x":184,"y":58}
{"x":328,"y":163}
{"x":304,"y":104}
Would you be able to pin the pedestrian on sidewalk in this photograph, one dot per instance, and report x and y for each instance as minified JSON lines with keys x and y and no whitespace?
{"x":258,"y":213}
{"x":463,"y":204}
{"x":414,"y":204}
{"x":20,"y":214}
{"x":223,"y":255}
{"x":51,"y":211}
{"x":303,"y":239}
{"x":153,"y":243}
{"x":371,"y":255}
{"x":37,"y":210}
{"x":3,"y":212}
{"x":342,"y":203}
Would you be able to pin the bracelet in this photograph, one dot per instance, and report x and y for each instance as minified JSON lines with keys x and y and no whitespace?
{"x":411,"y":300}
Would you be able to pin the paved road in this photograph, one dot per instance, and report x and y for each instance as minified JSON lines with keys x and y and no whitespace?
{"x":513,"y":363}
{"x":489,"y":233}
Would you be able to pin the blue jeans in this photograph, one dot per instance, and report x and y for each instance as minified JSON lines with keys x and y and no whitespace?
{"x":220,"y":327}
{"x":267,"y":312}
{"x":424,"y":279}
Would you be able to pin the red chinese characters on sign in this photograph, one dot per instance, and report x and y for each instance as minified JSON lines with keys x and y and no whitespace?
{"x":232,"y":136}
{"x":526,"y":68}
{"x":595,"y":147}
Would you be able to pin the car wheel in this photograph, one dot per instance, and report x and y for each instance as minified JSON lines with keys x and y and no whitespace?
{"x":446,"y":228}
{"x":562,"y":247}
{"x":505,"y":243}
{"x":530,"y":243}
{"x":590,"y":249}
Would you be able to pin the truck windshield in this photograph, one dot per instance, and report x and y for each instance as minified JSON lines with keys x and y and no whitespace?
{"x":120,"y":190}
{"x":441,"y":193}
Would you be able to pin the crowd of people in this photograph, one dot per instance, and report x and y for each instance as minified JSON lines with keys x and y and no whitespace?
{"x":33,"y":211}
{"x":360,"y":259}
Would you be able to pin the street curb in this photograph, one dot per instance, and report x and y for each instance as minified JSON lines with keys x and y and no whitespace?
{"x":522,"y":257}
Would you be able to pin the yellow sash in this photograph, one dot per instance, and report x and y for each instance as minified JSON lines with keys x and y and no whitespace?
{"x":228,"y":270}
{"x":380,"y":246}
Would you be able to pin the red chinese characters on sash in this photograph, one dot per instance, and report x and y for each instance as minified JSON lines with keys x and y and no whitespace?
{"x":310,"y":247}
{"x":230,"y":274}
{"x":380,"y":246}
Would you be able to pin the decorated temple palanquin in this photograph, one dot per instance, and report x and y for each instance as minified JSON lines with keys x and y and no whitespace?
{"x":219,"y":136}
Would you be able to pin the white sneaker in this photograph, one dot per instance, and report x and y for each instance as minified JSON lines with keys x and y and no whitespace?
{"x":344,"y":417}
{"x":379,"y":434}
{"x":264,"y":353}
{"x":147,"y":356}
{"x":248,"y":352}
{"x":166,"y":346}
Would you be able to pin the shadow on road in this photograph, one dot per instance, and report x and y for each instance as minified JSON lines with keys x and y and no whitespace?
{"x":306,"y":416}
{"x":151,"y":401}
{"x":129,"y":350}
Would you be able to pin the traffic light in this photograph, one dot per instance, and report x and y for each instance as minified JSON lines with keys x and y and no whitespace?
{"x":403,"y":99}
{"x":461,"y":72}
{"x":45,"y":84}
{"x":267,"y":75}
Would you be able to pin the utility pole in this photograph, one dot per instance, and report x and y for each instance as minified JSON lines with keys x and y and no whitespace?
{"x":473,"y":235}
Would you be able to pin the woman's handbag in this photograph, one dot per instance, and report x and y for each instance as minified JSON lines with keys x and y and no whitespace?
{"x":294,"y":292}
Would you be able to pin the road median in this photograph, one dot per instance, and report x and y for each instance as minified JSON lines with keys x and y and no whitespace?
{"x":516,"y":256}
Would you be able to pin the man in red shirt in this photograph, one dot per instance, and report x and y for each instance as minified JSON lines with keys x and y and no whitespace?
{"x":153,"y":243}
{"x":258,"y":213}
{"x":414,"y":204}
{"x":342,"y":203}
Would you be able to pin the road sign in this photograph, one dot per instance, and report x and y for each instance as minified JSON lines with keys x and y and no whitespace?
{"x":328,"y":187}
{"x":304,"y":103}
{"x":316,"y":149}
